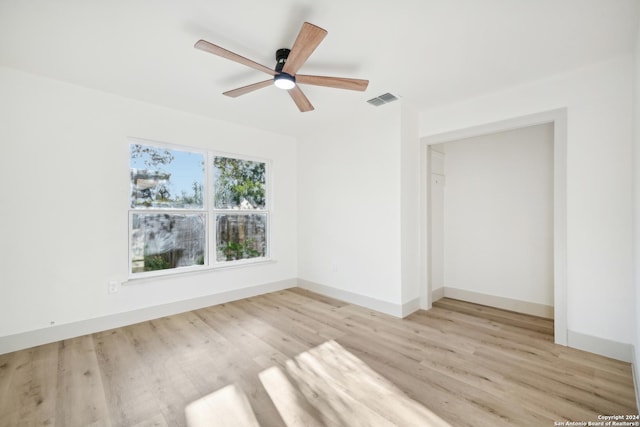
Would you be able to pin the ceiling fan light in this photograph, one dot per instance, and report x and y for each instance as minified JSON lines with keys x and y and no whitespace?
{"x":284,"y":81}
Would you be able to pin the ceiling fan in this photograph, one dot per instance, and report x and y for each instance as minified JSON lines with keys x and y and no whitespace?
{"x":288,"y":62}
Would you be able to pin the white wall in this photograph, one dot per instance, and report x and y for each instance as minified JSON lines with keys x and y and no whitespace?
{"x":65,"y":190}
{"x":349,"y":208}
{"x":359,"y":214}
{"x":498,"y":215}
{"x":598,"y":99}
{"x":410,"y":209}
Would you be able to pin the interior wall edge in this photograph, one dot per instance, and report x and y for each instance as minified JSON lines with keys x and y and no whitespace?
{"x":634,"y":374}
{"x":437,"y":294}
{"x":411,"y":306}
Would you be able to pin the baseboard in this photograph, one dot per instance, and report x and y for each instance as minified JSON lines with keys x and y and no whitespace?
{"x":518,"y":306}
{"x":55,"y":333}
{"x":602,"y":346}
{"x":437,"y":294}
{"x":410,"y":307}
{"x":635,"y":372}
{"x":396,"y":310}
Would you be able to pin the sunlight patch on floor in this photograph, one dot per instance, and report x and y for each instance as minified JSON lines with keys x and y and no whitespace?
{"x":325,"y":386}
{"x":332,"y":386}
{"x":227,"y":407}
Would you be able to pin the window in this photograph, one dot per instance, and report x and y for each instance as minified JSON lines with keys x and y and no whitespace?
{"x":176,"y":194}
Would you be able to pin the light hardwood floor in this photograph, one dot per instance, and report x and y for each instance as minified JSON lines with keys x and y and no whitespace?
{"x":470,"y":365}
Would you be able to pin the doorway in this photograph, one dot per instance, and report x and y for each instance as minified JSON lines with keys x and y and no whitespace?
{"x":432,"y":272}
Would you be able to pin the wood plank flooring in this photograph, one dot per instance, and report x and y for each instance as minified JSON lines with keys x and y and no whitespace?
{"x":466,"y":364}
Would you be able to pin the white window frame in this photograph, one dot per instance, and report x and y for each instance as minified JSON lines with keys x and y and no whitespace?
{"x":208,"y":210}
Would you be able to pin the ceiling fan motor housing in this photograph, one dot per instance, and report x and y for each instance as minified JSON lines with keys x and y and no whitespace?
{"x":283,"y":80}
{"x":281,"y":58}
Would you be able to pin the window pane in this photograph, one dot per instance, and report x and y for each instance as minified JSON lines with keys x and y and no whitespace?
{"x":165,"y":178}
{"x":239,"y":184}
{"x":240,"y":236}
{"x":163,"y":241}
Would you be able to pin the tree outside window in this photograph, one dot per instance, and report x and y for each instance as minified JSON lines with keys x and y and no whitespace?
{"x":240,"y":209}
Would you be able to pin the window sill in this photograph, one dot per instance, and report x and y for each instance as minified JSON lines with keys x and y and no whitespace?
{"x":189,"y":271}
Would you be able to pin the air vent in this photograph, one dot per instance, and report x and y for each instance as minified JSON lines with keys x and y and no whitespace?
{"x":382,"y":99}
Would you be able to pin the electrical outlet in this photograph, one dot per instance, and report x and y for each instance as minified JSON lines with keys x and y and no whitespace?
{"x":114,"y":287}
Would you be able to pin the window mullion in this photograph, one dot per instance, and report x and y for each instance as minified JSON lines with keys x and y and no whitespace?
{"x":209,"y":200}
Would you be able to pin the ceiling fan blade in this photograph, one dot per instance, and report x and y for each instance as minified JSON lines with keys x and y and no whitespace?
{"x":219,"y":51}
{"x":300,"y":99}
{"x":336,"y":82}
{"x":249,"y":88}
{"x":308,"y":39}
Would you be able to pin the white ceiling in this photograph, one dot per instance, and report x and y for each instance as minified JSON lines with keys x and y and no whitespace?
{"x":429,"y":52}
